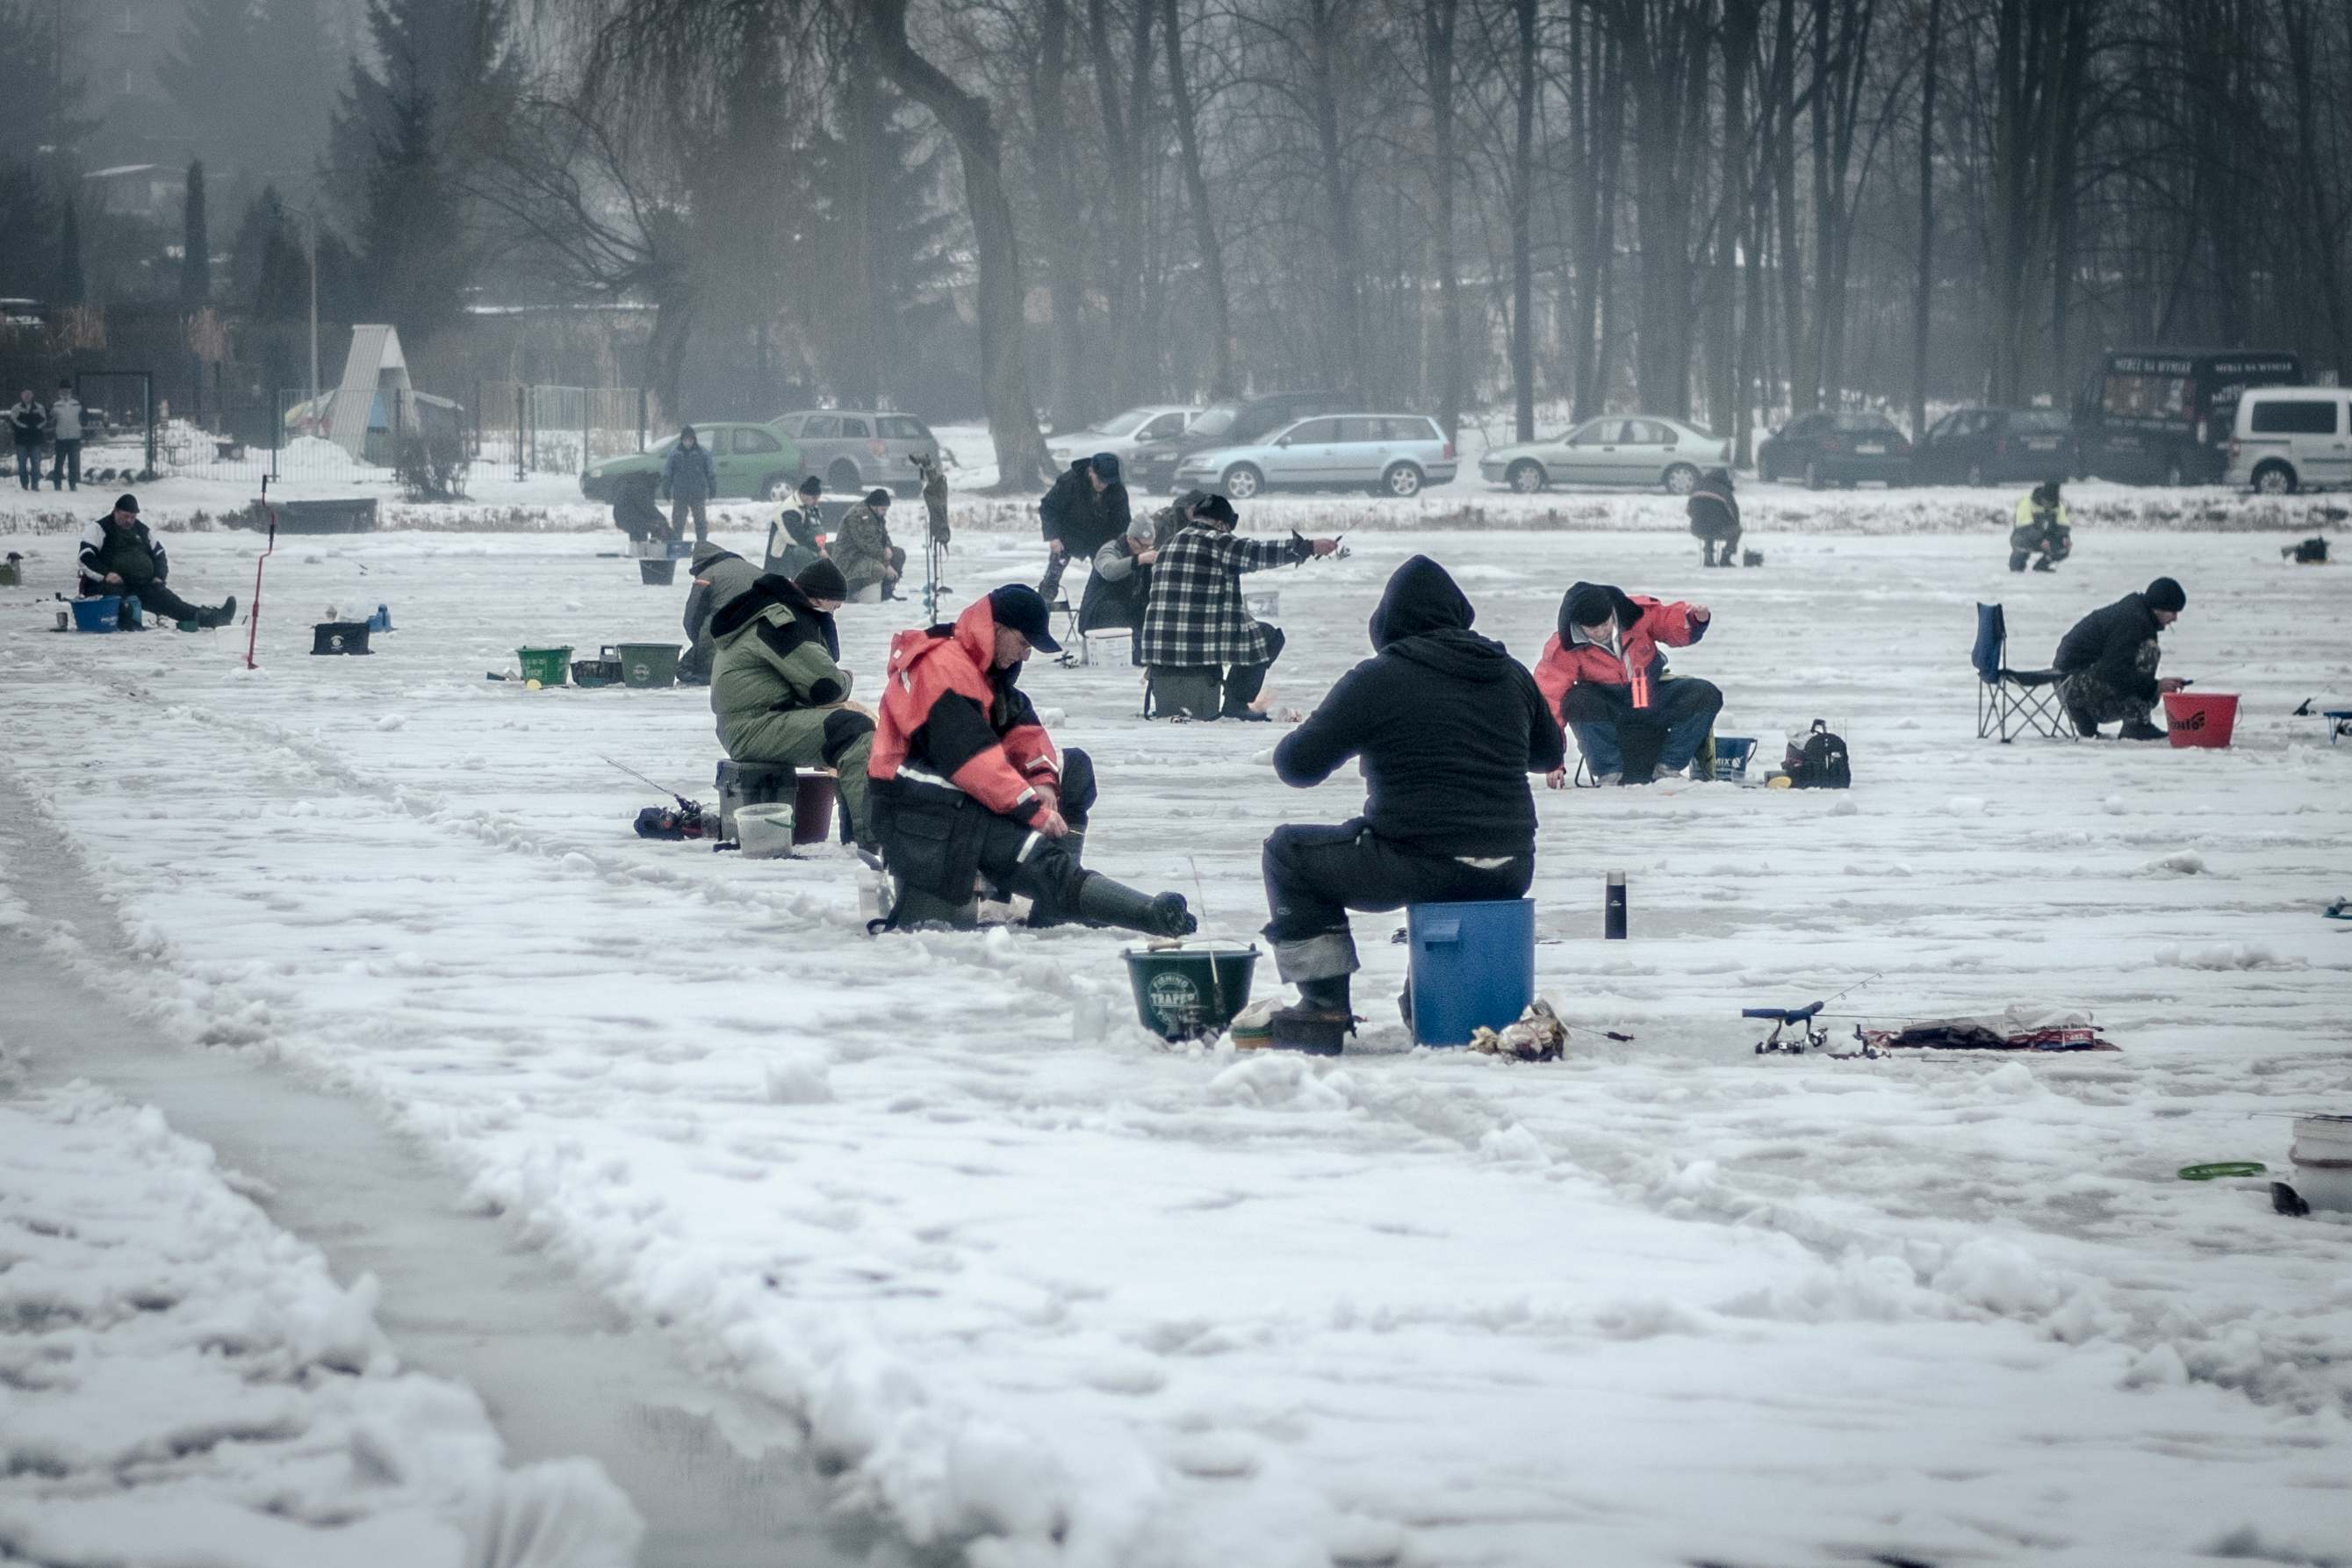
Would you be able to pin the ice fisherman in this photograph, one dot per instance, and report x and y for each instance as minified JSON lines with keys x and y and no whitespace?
{"x":1606,"y":683}
{"x":863,"y":550}
{"x":967,"y":784}
{"x":1714,"y":514}
{"x":1086,"y":508}
{"x":2039,"y":527}
{"x":797,"y":536}
{"x":1196,"y":622}
{"x":1121,"y":587}
{"x":689,"y":480}
{"x":120,"y":556}
{"x":778,"y":690}
{"x":1447,"y":726}
{"x":2109,"y":661}
{"x":721,"y":577}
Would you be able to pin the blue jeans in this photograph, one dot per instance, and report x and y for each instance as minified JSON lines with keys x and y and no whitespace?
{"x":1683,"y":710}
{"x":28,"y":465}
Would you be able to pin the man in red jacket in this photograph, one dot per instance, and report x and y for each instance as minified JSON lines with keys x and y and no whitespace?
{"x":967,"y":785}
{"x":1604,"y":675}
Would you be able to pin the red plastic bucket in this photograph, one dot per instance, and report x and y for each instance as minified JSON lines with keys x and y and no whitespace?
{"x":2201,"y":718}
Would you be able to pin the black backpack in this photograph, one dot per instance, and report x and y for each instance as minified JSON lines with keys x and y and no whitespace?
{"x":1819,"y":762}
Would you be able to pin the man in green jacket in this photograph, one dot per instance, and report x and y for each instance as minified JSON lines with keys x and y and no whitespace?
{"x":779,"y":694}
{"x":863,"y":551}
{"x":721,"y":577}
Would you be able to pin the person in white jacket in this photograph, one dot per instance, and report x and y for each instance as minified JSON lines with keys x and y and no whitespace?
{"x":65,"y":433}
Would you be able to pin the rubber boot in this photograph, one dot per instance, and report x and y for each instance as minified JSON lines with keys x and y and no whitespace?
{"x":1041,"y":917}
{"x":1318,"y":1021}
{"x":1102,"y":901}
{"x":1706,"y":557}
{"x":222,"y":616}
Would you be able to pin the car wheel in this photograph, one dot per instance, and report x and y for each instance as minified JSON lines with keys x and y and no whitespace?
{"x":1526,"y":476}
{"x":1812,"y":474}
{"x":844,"y":476}
{"x":1401,"y":481}
{"x":1681,"y":479}
{"x":2274,"y":479}
{"x":1242,"y":481}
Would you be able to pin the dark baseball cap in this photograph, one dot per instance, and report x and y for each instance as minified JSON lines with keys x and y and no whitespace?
{"x":1021,"y":608}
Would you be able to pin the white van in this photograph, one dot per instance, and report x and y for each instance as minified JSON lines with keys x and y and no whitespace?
{"x":2291,"y":437}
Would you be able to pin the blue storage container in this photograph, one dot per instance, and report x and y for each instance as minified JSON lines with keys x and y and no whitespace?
{"x":98,"y":614}
{"x":1473,"y":964}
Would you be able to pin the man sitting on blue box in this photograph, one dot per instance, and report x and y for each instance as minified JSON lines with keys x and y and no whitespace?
{"x":1447,"y":726}
{"x":120,"y":556}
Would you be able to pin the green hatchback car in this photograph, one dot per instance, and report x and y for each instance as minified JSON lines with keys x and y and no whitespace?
{"x":755,"y":462}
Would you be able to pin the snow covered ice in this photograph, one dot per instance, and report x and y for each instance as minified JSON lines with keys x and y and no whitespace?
{"x":1087,"y":1301}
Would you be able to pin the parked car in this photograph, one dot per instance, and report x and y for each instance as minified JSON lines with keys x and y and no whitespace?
{"x":1986,"y":446}
{"x":1244,"y":421}
{"x":1154,"y":429}
{"x":1388,"y":454}
{"x":755,"y":462}
{"x":2165,"y":416}
{"x":1639,"y":450}
{"x":1836,"y":448}
{"x":2291,"y":437}
{"x":856,"y":450}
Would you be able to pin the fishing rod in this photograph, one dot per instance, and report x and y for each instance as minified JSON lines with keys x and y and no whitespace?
{"x":684,"y":804}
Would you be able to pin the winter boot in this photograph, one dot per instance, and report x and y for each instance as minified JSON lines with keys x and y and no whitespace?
{"x":2017,"y":560}
{"x":2045,"y":564}
{"x":1318,"y":1021}
{"x":2138,"y":730}
{"x":1707,"y":556}
{"x":220,"y":617}
{"x":1102,"y":901}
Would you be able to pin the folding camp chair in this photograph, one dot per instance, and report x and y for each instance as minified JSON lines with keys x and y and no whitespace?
{"x":2025,"y":701}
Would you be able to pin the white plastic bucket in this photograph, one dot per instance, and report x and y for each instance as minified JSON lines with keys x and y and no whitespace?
{"x":764,"y":832}
{"x":2323,"y":1161}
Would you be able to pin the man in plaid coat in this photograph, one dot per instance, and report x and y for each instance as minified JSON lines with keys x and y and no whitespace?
{"x":1196,"y":621}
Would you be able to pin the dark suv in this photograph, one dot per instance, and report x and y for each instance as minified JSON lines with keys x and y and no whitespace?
{"x":1987,"y":445}
{"x":1232,"y":422}
{"x":1836,"y":449}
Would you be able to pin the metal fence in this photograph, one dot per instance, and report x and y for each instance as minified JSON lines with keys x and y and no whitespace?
{"x":558,"y":429}
{"x":284,"y":434}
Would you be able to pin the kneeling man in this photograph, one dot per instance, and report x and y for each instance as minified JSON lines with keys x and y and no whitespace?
{"x":778,"y":692}
{"x":1447,"y":726}
{"x":967,"y":784}
{"x":1604,"y":676}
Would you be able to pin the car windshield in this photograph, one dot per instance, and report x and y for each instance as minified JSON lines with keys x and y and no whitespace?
{"x":1121,"y":424}
{"x":2041,"y":421}
{"x":1869,"y":424}
{"x":1216,"y":419}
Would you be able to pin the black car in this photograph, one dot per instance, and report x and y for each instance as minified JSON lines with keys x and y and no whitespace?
{"x":1989,"y":446}
{"x":1836,"y":449}
{"x":1233,"y":422}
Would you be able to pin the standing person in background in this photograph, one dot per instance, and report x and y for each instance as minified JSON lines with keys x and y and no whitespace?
{"x":26,"y":424}
{"x":120,"y":556}
{"x":797,"y":537}
{"x":868,"y":561}
{"x":1715,"y":518}
{"x":2041,"y":527}
{"x":1196,"y":622}
{"x":64,"y":429}
{"x":689,"y":480}
{"x":1086,"y":510}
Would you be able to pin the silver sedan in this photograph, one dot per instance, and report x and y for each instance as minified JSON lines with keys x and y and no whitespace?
{"x":1631,"y":450}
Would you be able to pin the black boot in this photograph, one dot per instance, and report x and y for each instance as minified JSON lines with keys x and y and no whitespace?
{"x":1318,"y":1021}
{"x":1706,"y":557}
{"x":220,"y":617}
{"x":1102,"y":901}
{"x":2140,"y":729}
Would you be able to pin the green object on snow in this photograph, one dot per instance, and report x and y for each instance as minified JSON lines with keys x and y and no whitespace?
{"x":547,"y":665}
{"x":2225,"y":1168}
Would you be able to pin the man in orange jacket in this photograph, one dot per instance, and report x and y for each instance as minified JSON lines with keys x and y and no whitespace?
{"x":1604,"y":675}
{"x":967,"y":785}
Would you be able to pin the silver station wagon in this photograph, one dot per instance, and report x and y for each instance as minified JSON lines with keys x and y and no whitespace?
{"x":1387,"y":454}
{"x":856,"y":451}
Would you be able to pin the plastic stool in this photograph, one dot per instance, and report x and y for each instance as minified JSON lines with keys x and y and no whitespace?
{"x":1473,"y":964}
{"x":753,"y":784}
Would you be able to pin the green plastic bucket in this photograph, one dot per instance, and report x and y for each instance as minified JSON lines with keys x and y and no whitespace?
{"x":647,"y":664}
{"x":1189,"y":992}
{"x":547,"y":665}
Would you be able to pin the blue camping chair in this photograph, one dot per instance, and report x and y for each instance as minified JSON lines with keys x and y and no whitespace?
{"x":2025,"y":701}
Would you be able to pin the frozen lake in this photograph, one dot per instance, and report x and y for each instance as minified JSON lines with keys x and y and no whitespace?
{"x":1090,"y":1300}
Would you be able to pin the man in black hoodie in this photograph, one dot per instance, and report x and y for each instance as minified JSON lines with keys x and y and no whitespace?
{"x":2109,"y":661}
{"x":1086,"y":510}
{"x":1447,"y":726}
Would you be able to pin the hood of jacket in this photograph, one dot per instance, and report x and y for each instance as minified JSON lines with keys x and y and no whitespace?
{"x":706,"y":553}
{"x":1621,"y":605}
{"x":773,"y":588}
{"x":1424,"y":618}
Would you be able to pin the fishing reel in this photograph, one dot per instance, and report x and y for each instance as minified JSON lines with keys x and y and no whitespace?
{"x":687,"y":820}
{"x":1808,"y":1035}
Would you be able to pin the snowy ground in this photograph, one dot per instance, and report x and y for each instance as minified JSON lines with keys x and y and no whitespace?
{"x":1085,"y":1300}
{"x":185,"y":1383}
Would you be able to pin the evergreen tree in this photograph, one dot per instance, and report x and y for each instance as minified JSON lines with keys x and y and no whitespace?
{"x":67,"y":289}
{"x":250,"y":76}
{"x":196,"y":245}
{"x":268,"y":267}
{"x":410,"y":239}
{"x":876,"y":249}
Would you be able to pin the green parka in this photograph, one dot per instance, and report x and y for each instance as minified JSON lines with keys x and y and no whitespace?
{"x":777,"y":691}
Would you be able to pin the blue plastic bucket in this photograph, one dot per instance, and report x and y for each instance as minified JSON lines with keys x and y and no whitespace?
{"x":1472,"y":965}
{"x":99,"y":615}
{"x":1732,"y":755}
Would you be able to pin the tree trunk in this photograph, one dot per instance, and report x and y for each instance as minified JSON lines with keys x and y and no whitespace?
{"x":1063,"y":241}
{"x":1221,"y":380}
{"x":1923,"y":293}
{"x":1523,"y":202}
{"x":1346,"y":357}
{"x":1122,"y":141}
{"x":1020,"y":459}
{"x":1437,"y":53}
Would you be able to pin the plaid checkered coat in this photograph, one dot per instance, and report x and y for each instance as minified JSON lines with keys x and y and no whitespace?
{"x":1196,"y":616}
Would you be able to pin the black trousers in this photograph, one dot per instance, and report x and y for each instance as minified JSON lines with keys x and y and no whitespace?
{"x":1244,"y":681}
{"x":937,"y":843}
{"x":1315,"y":874}
{"x":154,"y":599}
{"x":68,"y":468}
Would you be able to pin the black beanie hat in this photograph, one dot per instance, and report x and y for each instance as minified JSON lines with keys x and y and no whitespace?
{"x":2164,"y":594}
{"x":821,"y":579}
{"x":1217,"y":508}
{"x":878,"y":496}
{"x":812,"y":486}
{"x":127,"y":502}
{"x":1589,"y":605}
